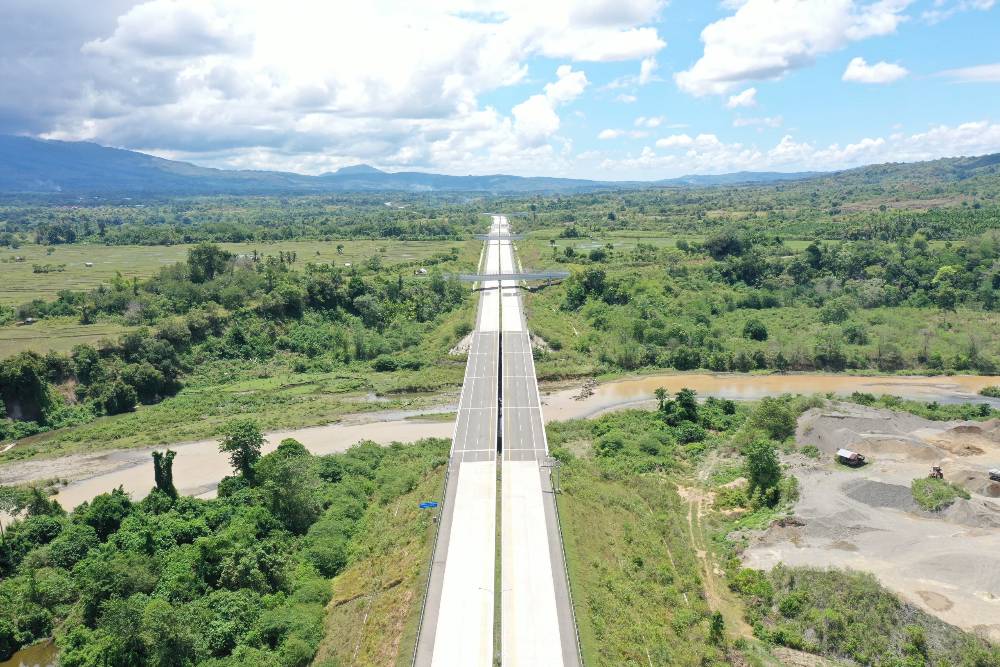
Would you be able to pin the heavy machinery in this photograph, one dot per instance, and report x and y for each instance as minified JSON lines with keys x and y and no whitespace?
{"x":995,"y":474}
{"x":936,"y":473}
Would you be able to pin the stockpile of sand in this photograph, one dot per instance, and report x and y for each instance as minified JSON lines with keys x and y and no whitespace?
{"x":966,"y":450}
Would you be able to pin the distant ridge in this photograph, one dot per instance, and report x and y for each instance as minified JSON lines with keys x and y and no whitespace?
{"x":34,"y":166}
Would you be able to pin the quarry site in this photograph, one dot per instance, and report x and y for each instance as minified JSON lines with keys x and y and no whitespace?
{"x":946,"y":562}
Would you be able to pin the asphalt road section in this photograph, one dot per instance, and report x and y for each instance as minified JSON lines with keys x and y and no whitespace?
{"x":536,"y":610}
{"x":457,"y":627}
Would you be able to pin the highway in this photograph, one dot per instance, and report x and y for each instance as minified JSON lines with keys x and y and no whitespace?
{"x":536,"y":624}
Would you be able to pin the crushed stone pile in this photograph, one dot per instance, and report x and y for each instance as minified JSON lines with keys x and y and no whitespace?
{"x":880,"y":494}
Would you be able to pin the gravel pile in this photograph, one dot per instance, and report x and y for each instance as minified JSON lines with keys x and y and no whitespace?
{"x":880,"y":494}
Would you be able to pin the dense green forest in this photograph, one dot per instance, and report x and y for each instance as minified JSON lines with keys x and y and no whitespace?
{"x":240,"y":580}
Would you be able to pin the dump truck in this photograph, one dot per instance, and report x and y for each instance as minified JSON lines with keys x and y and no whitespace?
{"x":847,"y":457}
{"x":936,"y":473}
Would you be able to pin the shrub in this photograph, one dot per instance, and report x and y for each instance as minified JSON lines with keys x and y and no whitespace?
{"x":754,"y":329}
{"x":993,"y":391}
{"x":936,"y":494}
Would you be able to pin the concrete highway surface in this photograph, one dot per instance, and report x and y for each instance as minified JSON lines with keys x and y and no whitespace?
{"x":536,"y":621}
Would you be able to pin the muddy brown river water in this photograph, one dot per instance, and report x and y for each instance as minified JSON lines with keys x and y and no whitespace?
{"x":199,"y":465}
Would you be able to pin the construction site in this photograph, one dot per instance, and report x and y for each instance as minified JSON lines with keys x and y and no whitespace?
{"x":857,"y":509}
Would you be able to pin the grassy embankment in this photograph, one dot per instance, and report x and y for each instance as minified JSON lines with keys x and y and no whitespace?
{"x":373,"y":615}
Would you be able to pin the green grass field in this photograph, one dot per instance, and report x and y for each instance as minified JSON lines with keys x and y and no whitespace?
{"x":21,"y":284}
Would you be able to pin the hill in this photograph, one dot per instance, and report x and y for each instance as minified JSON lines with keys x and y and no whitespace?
{"x":58,"y":167}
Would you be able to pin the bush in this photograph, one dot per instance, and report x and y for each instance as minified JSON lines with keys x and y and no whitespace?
{"x":936,"y":494}
{"x":754,"y":329}
{"x":993,"y":391}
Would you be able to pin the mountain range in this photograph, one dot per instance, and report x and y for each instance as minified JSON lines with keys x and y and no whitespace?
{"x":34,"y":166}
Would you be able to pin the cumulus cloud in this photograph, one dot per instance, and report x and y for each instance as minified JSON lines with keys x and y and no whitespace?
{"x":766,"y":39}
{"x":859,"y":71}
{"x":250,"y":83}
{"x":748,"y":98}
{"x":974,"y":74}
{"x":706,"y":153}
{"x":647,"y":69}
{"x":610,"y":133}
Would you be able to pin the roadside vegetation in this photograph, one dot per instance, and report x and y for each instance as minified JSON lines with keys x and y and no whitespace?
{"x":244,"y":579}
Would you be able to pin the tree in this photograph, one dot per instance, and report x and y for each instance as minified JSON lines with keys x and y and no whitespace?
{"x":242,"y":441}
{"x":23,"y":388}
{"x":661,"y":396}
{"x":207,"y":260}
{"x":763,"y":468}
{"x":774,"y":417}
{"x":163,"y":472}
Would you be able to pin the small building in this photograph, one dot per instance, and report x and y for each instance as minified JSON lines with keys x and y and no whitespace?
{"x":847,"y":457}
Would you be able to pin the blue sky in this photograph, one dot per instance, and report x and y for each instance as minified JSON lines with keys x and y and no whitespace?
{"x":623,"y":89}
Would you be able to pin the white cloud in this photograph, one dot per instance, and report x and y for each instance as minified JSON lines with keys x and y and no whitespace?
{"x":945,"y":9}
{"x":859,"y":71}
{"x":762,"y":121}
{"x":250,"y":83}
{"x":650,"y":121}
{"x":748,"y":98}
{"x":626,"y":98}
{"x":706,"y":153}
{"x":766,"y":39}
{"x":674,"y":141}
{"x":975,"y":74}
{"x":569,"y":85}
{"x":647,"y":68}
{"x":615,"y":133}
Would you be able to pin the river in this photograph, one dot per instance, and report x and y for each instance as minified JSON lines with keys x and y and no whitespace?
{"x":199,"y":466}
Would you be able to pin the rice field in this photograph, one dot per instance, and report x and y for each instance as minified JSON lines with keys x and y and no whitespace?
{"x":20,"y":284}
{"x":56,"y":334}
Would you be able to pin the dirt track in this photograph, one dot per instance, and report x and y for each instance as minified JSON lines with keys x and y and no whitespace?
{"x":948,"y":562}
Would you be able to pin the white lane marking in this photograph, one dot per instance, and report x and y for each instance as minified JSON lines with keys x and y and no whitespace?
{"x":465,"y":618}
{"x":530,"y":620}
